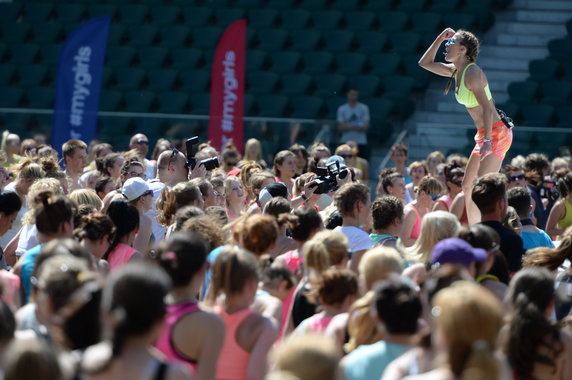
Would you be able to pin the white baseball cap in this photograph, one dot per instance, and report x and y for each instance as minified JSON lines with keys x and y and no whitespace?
{"x":133,"y":188}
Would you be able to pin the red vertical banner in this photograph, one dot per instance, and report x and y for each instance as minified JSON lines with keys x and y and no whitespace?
{"x":227,"y":87}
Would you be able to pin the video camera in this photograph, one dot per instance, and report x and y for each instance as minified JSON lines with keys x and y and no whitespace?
{"x":549,"y":190}
{"x":209,"y":163}
{"x":326,"y":180}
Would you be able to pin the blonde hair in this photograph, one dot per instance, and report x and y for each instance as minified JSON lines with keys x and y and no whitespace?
{"x":362,"y":326}
{"x":86,"y":197}
{"x":247,"y":145}
{"x":378,"y":263}
{"x":336,"y":244}
{"x":233,"y":268}
{"x":307,"y":357}
{"x":171,"y":200}
{"x":418,"y":164}
{"x":429,"y":185}
{"x":29,"y":170}
{"x":470,"y":318}
{"x":43,"y":184}
{"x":435,"y":226}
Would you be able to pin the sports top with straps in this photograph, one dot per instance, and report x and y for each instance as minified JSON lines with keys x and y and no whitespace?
{"x":233,"y":360}
{"x":465,"y":96}
{"x":165,"y":342}
{"x":567,"y":219}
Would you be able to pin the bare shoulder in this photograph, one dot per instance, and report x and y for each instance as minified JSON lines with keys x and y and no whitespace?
{"x":475,"y":76}
{"x":202,"y":321}
{"x":338,"y":324}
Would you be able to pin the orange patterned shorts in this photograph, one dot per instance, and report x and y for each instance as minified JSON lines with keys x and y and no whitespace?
{"x":501,"y":141}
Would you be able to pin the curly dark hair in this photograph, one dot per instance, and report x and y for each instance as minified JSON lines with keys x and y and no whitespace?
{"x":384,"y":210}
{"x":532,"y":338}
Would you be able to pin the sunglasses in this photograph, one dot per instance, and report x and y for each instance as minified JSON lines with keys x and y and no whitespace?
{"x":147,"y":193}
{"x":459,"y":183}
{"x":435,"y":197}
{"x":142,"y":142}
{"x":173,"y":156}
{"x":516,"y":177}
{"x":231,"y":163}
{"x":451,"y":41}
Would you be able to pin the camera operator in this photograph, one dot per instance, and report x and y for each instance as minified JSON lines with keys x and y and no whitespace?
{"x":323,"y":183}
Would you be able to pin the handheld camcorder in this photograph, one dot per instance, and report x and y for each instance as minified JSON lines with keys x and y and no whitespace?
{"x":209,"y":163}
{"x":326,"y":180}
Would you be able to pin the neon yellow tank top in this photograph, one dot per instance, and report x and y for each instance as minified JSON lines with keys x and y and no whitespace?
{"x":465,"y":96}
{"x":567,"y":220}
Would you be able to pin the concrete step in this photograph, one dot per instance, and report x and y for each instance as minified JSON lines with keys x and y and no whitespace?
{"x":512,"y":75}
{"x":527,"y":28}
{"x":535,"y":15}
{"x":523,"y":40}
{"x":507,"y":63}
{"x":542,"y":16}
{"x":516,"y":52}
{"x":559,"y":5}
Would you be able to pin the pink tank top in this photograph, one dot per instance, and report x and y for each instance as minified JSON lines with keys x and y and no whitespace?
{"x":416,"y":230}
{"x":120,"y":255}
{"x":11,"y":284}
{"x":446,"y":201}
{"x":319,"y":324}
{"x":233,"y":360}
{"x":293,"y":263}
{"x":165,"y":341}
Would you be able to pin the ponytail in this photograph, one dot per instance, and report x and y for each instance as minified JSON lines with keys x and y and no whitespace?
{"x":448,"y":87}
{"x":532,"y":338}
{"x":52,"y":212}
{"x":481,"y":363}
{"x":550,"y":258}
{"x":125,"y":217}
{"x":233,"y":268}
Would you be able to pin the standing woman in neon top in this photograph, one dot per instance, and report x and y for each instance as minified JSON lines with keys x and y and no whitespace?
{"x":493,"y":138}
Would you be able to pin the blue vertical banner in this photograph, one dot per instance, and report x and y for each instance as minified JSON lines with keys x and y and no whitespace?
{"x":78,"y":82}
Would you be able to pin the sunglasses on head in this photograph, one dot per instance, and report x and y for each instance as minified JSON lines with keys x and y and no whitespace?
{"x":450,"y":41}
{"x":173,"y":156}
{"x":516,"y":177}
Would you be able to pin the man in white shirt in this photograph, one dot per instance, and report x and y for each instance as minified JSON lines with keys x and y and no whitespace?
{"x":354,"y":204}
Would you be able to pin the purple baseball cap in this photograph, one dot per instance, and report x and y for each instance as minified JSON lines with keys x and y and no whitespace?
{"x":457,"y":251}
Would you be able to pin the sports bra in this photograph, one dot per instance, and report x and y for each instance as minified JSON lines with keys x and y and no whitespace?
{"x":165,"y":342}
{"x":567,"y":219}
{"x":465,"y":96}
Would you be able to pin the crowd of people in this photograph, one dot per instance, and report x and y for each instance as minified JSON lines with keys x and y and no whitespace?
{"x":143,"y":264}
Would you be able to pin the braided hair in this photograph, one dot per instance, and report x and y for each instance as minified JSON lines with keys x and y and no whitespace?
{"x":472,"y":44}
